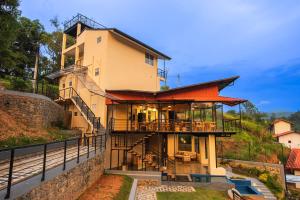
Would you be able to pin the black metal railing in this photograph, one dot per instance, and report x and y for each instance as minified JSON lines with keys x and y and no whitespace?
{"x":82,"y":19}
{"x":231,"y":125}
{"x":225,"y":125}
{"x":162,"y":73}
{"x":236,"y":195}
{"x":21,"y":163}
{"x":70,"y":93}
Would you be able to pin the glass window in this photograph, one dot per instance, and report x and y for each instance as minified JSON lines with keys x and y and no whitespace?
{"x":149,"y":59}
{"x":98,"y":40}
{"x":185,"y":143}
{"x":70,"y":84}
{"x":97,"y":72}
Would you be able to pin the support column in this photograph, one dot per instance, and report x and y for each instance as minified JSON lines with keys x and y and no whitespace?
{"x":212,"y":160}
{"x":211,"y":152}
{"x":202,"y":149}
{"x":76,"y":55}
{"x":78,"y":31}
{"x":64,"y":43}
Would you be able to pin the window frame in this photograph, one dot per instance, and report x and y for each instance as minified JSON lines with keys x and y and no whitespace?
{"x":149,"y":58}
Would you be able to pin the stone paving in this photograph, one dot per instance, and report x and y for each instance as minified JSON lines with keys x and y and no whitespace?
{"x":148,"y":192}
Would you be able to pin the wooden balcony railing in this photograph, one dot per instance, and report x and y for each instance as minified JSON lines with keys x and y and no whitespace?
{"x":227,"y":125}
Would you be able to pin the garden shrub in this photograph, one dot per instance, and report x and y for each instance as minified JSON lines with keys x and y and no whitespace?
{"x":20,"y":85}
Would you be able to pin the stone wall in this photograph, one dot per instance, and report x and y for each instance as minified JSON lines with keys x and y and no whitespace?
{"x":275,"y":169}
{"x":69,"y":185}
{"x":33,"y":110}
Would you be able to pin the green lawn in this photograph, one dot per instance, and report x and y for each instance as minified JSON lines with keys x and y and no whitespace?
{"x":200,"y":194}
{"x":125,"y":189}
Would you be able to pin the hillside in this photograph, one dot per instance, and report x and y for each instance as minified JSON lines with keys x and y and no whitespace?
{"x":14,"y":133}
{"x":254,"y":142}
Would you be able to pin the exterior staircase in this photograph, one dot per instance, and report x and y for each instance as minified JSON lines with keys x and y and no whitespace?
{"x":84,"y":109}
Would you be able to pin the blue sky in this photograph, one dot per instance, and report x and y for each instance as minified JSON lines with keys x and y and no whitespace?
{"x":207,"y":39}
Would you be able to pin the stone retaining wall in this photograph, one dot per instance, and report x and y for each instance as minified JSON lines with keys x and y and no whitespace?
{"x":69,"y":185}
{"x":34,"y":110}
{"x":275,"y":169}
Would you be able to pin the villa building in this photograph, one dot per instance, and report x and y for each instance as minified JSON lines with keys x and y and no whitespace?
{"x":283,"y":131}
{"x":114,"y":82}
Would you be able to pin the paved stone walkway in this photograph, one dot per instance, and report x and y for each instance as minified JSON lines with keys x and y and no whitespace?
{"x":258,"y":185}
{"x":27,"y":167}
{"x":149,"y":192}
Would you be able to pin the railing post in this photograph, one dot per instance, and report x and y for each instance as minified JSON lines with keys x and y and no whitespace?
{"x":44,"y":162}
{"x":95,"y":143}
{"x":223,"y":119}
{"x":78,"y":149}
{"x":88,"y":147}
{"x":9,"y":181}
{"x":65,"y":154}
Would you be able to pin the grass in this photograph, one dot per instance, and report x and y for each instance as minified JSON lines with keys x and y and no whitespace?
{"x":54,"y":134}
{"x":21,"y":141}
{"x":125,"y":189}
{"x":201,"y":194}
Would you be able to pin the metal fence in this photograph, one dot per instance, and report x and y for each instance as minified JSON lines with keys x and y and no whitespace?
{"x":21,"y":163}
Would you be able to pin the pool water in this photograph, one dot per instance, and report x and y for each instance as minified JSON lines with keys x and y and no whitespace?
{"x":244,"y":187}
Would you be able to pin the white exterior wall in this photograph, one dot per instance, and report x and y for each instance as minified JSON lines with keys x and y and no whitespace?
{"x":281,"y":127}
{"x":294,"y":139}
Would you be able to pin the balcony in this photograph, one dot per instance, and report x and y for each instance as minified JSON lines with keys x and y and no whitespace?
{"x":177,"y":126}
{"x":162,"y":73}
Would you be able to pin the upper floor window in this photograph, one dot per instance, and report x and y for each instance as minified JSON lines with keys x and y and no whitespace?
{"x":97,"y":72}
{"x":149,"y":59}
{"x":99,"y":39}
{"x":70,"y":83}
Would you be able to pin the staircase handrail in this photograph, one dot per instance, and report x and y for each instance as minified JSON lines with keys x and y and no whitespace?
{"x":71,"y":89}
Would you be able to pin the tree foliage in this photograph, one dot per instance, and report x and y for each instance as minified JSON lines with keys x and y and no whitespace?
{"x":295,"y":118}
{"x":23,"y":40}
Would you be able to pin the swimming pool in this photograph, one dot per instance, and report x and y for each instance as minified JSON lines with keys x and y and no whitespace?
{"x":244,"y":186}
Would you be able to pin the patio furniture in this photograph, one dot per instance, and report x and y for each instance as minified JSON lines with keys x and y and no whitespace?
{"x":186,"y":156}
{"x":198,"y":126}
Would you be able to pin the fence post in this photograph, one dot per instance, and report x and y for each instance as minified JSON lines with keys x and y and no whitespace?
{"x":249,"y":149}
{"x":44,"y":162}
{"x":95,"y":143}
{"x":65,"y":154}
{"x":88,"y":147}
{"x":78,"y":149}
{"x":11,"y":165}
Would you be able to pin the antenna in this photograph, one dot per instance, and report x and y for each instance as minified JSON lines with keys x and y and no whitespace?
{"x":178,"y":82}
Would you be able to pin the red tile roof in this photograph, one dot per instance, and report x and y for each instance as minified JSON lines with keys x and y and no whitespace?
{"x":285,"y":133}
{"x":202,"y":92}
{"x":284,"y":120}
{"x":294,"y":160}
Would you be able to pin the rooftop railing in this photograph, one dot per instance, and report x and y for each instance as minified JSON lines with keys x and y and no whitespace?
{"x":84,"y":20}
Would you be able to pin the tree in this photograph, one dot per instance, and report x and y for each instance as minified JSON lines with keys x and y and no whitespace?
{"x":30,"y":36}
{"x":251,"y":111}
{"x":9,"y":14}
{"x":54,"y":44}
{"x":295,"y":118}
{"x":164,"y":87}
